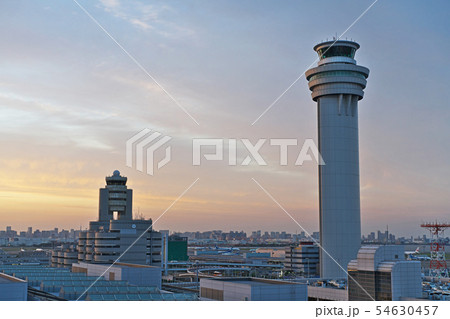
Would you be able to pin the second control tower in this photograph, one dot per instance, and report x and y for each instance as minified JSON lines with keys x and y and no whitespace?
{"x":337,"y":85}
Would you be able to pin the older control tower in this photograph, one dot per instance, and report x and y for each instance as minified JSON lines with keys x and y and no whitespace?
{"x":337,"y":85}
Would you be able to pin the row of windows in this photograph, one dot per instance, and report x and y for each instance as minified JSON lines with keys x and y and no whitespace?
{"x":337,"y":73}
{"x":336,"y":51}
{"x":107,"y":246}
{"x":377,"y":284}
{"x":306,"y":255}
{"x":311,"y":264}
{"x":122,"y":183}
{"x":117,"y":195}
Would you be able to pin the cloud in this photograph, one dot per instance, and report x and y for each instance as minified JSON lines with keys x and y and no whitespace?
{"x":141,"y":24}
{"x":160,"y":19}
{"x":70,"y":98}
{"x":110,"y":4}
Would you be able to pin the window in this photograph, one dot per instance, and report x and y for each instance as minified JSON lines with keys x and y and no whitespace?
{"x":336,"y":50}
{"x":336,"y":73}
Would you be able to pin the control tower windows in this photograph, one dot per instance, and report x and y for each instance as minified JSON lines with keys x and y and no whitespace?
{"x":337,"y":50}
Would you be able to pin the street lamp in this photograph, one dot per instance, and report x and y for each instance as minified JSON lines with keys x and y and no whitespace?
{"x":308,"y":266}
{"x":196,"y":268}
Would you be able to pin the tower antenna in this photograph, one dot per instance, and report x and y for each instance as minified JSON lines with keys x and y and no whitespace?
{"x":438,"y":263}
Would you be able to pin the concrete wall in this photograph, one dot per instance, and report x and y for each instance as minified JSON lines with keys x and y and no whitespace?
{"x":326,"y":293}
{"x":406,"y":280}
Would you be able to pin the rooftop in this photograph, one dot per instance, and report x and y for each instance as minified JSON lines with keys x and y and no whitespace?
{"x":6,"y":279}
{"x":68,"y":285}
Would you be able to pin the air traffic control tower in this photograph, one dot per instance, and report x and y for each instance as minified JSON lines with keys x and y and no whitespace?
{"x":337,"y":85}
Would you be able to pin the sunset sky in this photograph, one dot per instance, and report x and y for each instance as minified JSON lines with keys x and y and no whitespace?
{"x":70,"y":98}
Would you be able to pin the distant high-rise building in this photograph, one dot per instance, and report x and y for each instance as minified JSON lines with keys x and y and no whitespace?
{"x":337,"y":85}
{"x":316,"y":235}
{"x":380,"y":236}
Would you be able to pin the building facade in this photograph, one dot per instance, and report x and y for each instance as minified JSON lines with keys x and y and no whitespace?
{"x":337,"y":85}
{"x":251,"y":289}
{"x":381,"y":273}
{"x":64,"y":256}
{"x":302,"y":259}
{"x":139,"y":275}
{"x":178,"y":248}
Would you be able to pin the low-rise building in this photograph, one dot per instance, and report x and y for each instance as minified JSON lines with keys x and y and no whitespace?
{"x":254,"y":289}
{"x":274,"y":252}
{"x":140,"y":275}
{"x":121,"y":282}
{"x":327,"y":294}
{"x":303,"y":259}
{"x":177,"y":248}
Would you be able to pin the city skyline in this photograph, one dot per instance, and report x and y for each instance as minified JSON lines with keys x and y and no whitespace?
{"x":71,"y":98}
{"x":375,"y":233}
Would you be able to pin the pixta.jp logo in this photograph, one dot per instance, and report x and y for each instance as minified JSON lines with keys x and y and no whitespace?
{"x":149,"y":141}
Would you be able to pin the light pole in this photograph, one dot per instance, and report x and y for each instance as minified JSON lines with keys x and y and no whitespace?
{"x":196,"y":270}
{"x":308,"y":266}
